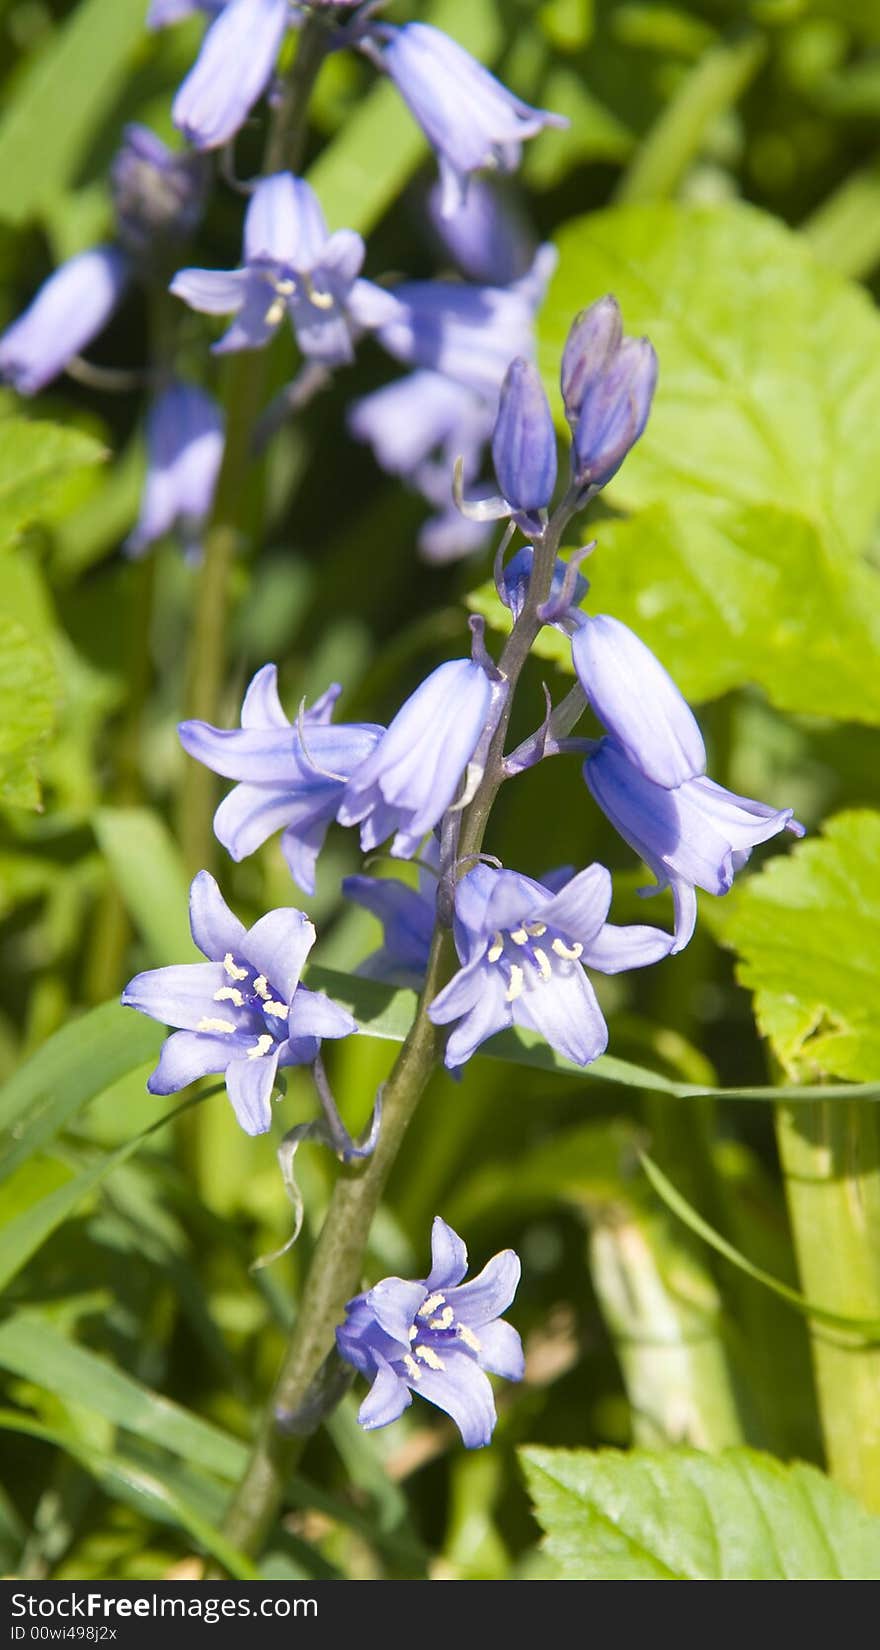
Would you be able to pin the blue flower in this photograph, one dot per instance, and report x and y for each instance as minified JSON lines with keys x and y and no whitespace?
{"x":407,"y":783}
{"x":523,"y":950}
{"x":513,"y":587}
{"x":232,"y":70}
{"x":292,"y":268}
{"x":163,"y":12}
{"x":184,"y":449}
{"x":637,"y":700}
{"x":69,"y":310}
{"x":244,"y":1011}
{"x":468,"y":117}
{"x":608,"y":384}
{"x":158,"y":196}
{"x":407,"y":916}
{"x":487,"y":238}
{"x":436,"y":1336}
{"x":524,"y":443}
{"x":292,"y":778}
{"x":695,"y":836}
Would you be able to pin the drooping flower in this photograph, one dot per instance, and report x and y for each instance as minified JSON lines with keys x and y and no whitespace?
{"x":695,"y":836}
{"x":608,"y":384}
{"x":158,"y":195}
{"x":524,"y":949}
{"x":407,"y":916}
{"x":232,"y":70}
{"x":70,"y":309}
{"x":637,"y":701}
{"x":437,"y":1337}
{"x":487,"y":238}
{"x":292,"y":268}
{"x":407,"y":783}
{"x":468,"y":117}
{"x":184,"y":450}
{"x":291,"y":778}
{"x":243,"y":1012}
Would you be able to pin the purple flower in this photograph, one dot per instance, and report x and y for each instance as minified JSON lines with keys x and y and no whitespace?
{"x":185,"y":449}
{"x":407,"y":916}
{"x":513,"y":588}
{"x":436,"y":1336}
{"x":244,"y":1011}
{"x":412,"y":776}
{"x":638,"y":701}
{"x":67,"y":313}
{"x":292,"y":778}
{"x":524,"y":949}
{"x":291,"y":267}
{"x":231,"y":72}
{"x":468,"y":117}
{"x":158,"y":196}
{"x":608,"y":384}
{"x":486,"y":238}
{"x":524,"y":443}
{"x":695,"y":836}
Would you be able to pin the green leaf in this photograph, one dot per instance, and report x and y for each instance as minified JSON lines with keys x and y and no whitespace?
{"x":146,"y":866}
{"x":36,"y":461}
{"x":807,"y":934}
{"x":28,"y":690}
{"x":681,"y":1515}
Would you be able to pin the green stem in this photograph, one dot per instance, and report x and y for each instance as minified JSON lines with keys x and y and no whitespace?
{"x":830,"y":1153}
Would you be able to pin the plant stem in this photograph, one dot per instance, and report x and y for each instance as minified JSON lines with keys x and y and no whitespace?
{"x":830,"y":1153}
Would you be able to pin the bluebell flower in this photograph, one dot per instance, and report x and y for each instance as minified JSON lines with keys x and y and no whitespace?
{"x":468,"y":117}
{"x":69,"y":310}
{"x":231,"y":72}
{"x":637,"y":701}
{"x":407,"y":783}
{"x":524,"y":443}
{"x":292,"y":268}
{"x":513,"y":587}
{"x":292,"y":778}
{"x":608,"y":384}
{"x":524,"y":949}
{"x":158,"y":196}
{"x":163,"y":12}
{"x":407,"y":916}
{"x":184,"y":453}
{"x":695,"y":836}
{"x":243,"y":1012}
{"x":487,"y":238}
{"x":436,"y":1336}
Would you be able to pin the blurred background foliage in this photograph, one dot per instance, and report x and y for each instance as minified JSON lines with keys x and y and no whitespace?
{"x":721,"y":174}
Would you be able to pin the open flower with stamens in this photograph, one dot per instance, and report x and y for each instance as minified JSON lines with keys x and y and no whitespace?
{"x":524,"y":950}
{"x":436,"y":1336}
{"x":243,"y":1012}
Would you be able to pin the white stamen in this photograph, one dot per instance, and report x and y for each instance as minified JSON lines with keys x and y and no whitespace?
{"x":229,"y":994}
{"x":275,"y":313}
{"x":429,"y":1357}
{"x":234,"y":972}
{"x":261,"y":987}
{"x":517,"y":980}
{"x":412,"y":1367}
{"x":543,"y":962}
{"x":413,"y":1333}
{"x":280,"y":1010}
{"x":468,"y":1336}
{"x":444,"y":1321}
{"x":496,"y":948}
{"x":264,"y":1044}
{"x":519,"y":936}
{"x":207,"y":1024}
{"x":430,"y":1305}
{"x":569,"y":952}
{"x":321,"y":300}
{"x":536,"y":929}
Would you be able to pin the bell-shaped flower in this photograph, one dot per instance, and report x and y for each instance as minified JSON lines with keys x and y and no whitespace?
{"x":291,"y":778}
{"x":406,"y":785}
{"x":637,"y":701}
{"x":468,"y":117}
{"x":184,"y":453}
{"x":158,"y":196}
{"x":292,"y":268}
{"x":231,"y":72}
{"x":524,"y":950}
{"x":487,"y":239}
{"x":69,"y":310}
{"x":243,"y":1012}
{"x":436,"y":1336}
{"x":695,"y":836}
{"x":608,"y":384}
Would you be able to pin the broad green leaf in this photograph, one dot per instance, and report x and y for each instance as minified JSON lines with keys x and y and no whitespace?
{"x":807,"y":933}
{"x":62,"y":102}
{"x":28,"y":691}
{"x":36,"y":461}
{"x":685,"y":1516}
{"x":769,"y":388}
{"x":146,"y":866}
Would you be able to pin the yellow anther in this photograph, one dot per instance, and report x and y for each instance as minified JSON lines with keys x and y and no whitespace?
{"x":413,"y":1333}
{"x":207,"y":1024}
{"x":229,"y":994}
{"x":517,"y":980}
{"x":429,"y":1357}
{"x":412,"y":1367}
{"x":285,"y":287}
{"x":321,"y":300}
{"x":468,"y":1336}
{"x":496,"y":949}
{"x":264,"y":1044}
{"x":232,"y":969}
{"x":543,"y":962}
{"x":444,"y":1321}
{"x":536,"y":929}
{"x":430,"y":1305}
{"x":569,"y":952}
{"x":278,"y":1009}
{"x":519,"y":936}
{"x":261,"y":987}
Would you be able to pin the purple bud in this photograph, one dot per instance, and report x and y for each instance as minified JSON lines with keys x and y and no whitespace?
{"x":185,"y":448}
{"x":68,"y":311}
{"x":158,"y":196}
{"x":524,"y":440}
{"x":614,"y":413}
{"x":231,"y":72}
{"x":595,"y":337}
{"x":638,"y":701}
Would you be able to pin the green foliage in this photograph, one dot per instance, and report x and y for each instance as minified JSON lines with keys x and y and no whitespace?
{"x":28,"y":690}
{"x":684,"y":1516}
{"x":36,"y":461}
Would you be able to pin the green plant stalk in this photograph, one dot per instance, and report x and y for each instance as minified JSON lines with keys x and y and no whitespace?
{"x":830,"y":1155}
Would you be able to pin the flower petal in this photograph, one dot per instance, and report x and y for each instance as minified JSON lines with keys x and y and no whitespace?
{"x":188,"y":1055}
{"x":278,"y":946}
{"x":448,"y":1257}
{"x":262,"y":707}
{"x":614,"y":950}
{"x":314,"y":1015}
{"x":231,"y":71}
{"x":249,"y":1086}
{"x":395,"y":1302}
{"x":181,"y":995}
{"x":490,"y":1293}
{"x":284,"y":223}
{"x":212,"y":291}
{"x":463,"y":1391}
{"x":214,"y":928}
{"x":638,"y":701}
{"x":565,"y":1012}
{"x":386,"y":1400}
{"x":69,"y":310}
{"x":581,"y":906}
{"x":501,"y":1350}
